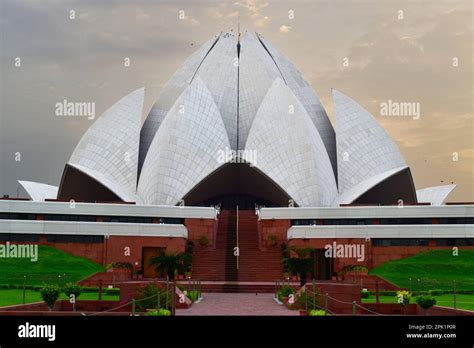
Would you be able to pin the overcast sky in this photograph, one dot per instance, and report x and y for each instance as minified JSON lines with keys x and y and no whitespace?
{"x":397,"y":50}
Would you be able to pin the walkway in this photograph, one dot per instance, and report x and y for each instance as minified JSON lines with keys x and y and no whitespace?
{"x":236,"y":304}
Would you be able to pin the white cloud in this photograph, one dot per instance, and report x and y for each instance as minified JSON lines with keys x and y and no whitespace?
{"x":284,"y":29}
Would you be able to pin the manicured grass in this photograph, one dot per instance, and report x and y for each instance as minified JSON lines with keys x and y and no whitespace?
{"x":9,"y":297}
{"x":50,"y":268}
{"x":446,"y":300}
{"x":431,"y":270}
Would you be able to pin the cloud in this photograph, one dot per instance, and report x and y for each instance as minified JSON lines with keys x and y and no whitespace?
{"x":285,"y":29}
{"x":254,"y":8}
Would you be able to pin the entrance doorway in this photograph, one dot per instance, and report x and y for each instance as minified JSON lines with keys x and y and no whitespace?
{"x":323,"y":266}
{"x":147,"y":254}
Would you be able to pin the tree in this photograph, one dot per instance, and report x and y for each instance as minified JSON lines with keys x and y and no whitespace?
{"x":301,"y":265}
{"x":169,"y":263}
{"x":49,"y":294}
{"x":426,"y":302}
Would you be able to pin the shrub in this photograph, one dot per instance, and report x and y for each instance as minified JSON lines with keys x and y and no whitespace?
{"x":151,"y":313}
{"x":203,"y":240}
{"x":146,"y":297}
{"x":155,"y":313}
{"x":50,"y":294}
{"x":181,"y":287}
{"x":302,"y":298}
{"x":72,"y":289}
{"x":365,"y":293}
{"x":403,"y":297}
{"x":194,"y":295}
{"x":426,"y":302}
{"x":317,"y":312}
{"x":388,"y":293}
{"x":436,"y":292}
{"x":164,"y":312}
{"x":125,"y":265}
{"x":285,"y":291}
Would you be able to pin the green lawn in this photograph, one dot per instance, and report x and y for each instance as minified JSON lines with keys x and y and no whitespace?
{"x":431,"y":270}
{"x":50,"y":268}
{"x":10,"y":297}
{"x":446,"y":300}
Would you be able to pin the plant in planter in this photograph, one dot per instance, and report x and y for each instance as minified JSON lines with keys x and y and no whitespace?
{"x":317,"y":312}
{"x":169,"y":264}
{"x":301,"y":265}
{"x":50,"y":294}
{"x":72,"y":289}
{"x":426,"y":302}
{"x":403,"y":298}
{"x":272,"y":240}
{"x":203,"y":240}
{"x":284,"y":292}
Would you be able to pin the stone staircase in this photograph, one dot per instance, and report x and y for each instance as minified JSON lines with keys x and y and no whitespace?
{"x":254,"y":265}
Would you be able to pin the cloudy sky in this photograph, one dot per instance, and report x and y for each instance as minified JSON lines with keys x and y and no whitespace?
{"x":405,"y":51}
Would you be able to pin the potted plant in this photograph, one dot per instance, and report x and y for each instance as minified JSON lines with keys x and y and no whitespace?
{"x":50,"y":294}
{"x":426,"y":302}
{"x":403,"y":298}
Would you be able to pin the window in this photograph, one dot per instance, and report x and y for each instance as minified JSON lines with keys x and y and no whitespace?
{"x":17,"y":216}
{"x":385,"y":242}
{"x":64,"y":238}
{"x":18,"y":237}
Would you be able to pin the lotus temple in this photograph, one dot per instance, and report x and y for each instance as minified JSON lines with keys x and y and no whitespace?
{"x":237,"y":151}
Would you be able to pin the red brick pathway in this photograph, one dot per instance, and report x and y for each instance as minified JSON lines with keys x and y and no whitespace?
{"x":236,"y":304}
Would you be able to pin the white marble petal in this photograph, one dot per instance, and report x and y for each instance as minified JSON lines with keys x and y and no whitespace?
{"x":308,"y":98}
{"x":289,"y":150}
{"x":38,"y":191}
{"x":171,"y":91}
{"x":364,"y":149}
{"x":436,"y":195}
{"x":109,"y":148}
{"x":186,"y":147}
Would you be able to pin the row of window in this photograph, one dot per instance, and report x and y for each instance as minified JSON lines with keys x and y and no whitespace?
{"x":89,"y":218}
{"x":385,"y":221}
{"x":64,"y":238}
{"x":18,"y":237}
{"x":17,"y":216}
{"x":422,"y":242}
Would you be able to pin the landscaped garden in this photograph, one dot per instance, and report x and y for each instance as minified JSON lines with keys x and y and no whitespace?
{"x":446,"y":277}
{"x":438,"y":269}
{"x":21,"y":280}
{"x":52,"y":267}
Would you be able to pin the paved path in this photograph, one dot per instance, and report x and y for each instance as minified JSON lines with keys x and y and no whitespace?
{"x":236,"y":304}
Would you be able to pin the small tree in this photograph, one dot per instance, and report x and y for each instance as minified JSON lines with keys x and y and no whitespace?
{"x":72,"y":289}
{"x":169,"y":264}
{"x":50,"y":294}
{"x":426,"y":302}
{"x":301,"y":265}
